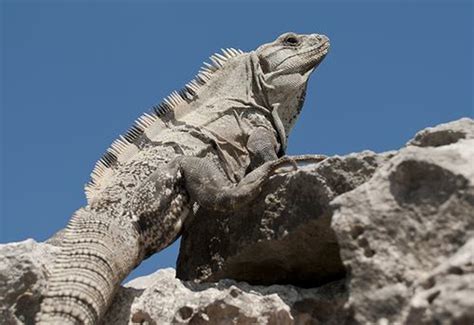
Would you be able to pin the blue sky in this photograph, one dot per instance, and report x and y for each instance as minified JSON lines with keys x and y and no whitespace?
{"x":76,"y":74}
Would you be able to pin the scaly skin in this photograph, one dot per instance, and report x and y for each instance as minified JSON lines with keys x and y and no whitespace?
{"x":212,"y":144}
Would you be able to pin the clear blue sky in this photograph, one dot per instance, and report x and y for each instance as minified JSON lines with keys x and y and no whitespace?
{"x":76,"y":75}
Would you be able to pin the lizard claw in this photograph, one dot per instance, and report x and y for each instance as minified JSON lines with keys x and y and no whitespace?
{"x":283,"y":163}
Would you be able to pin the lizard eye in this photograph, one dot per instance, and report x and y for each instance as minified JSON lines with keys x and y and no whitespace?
{"x":291,"y":40}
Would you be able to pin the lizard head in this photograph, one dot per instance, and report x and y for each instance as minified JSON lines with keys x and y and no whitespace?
{"x":286,"y":65}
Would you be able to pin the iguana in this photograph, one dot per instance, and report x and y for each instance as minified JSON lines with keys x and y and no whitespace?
{"x":212,"y":144}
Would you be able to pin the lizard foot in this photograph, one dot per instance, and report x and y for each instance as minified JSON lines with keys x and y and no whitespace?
{"x":288,"y":164}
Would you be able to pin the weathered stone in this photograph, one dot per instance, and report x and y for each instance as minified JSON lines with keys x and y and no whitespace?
{"x":283,"y":238}
{"x":23,"y":274}
{"x":160,"y":298}
{"x":444,"y":134}
{"x":415,"y":212}
{"x":446,"y":294}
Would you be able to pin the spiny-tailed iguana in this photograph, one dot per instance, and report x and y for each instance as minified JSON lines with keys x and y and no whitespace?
{"x":211,"y":144}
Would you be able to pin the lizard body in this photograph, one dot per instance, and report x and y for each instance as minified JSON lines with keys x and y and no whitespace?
{"x":213,"y":144}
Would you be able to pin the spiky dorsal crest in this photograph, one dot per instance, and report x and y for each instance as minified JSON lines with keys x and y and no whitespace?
{"x":125,"y":146}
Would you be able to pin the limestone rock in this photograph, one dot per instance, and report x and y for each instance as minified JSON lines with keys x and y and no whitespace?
{"x":415,"y":213}
{"x":444,"y":134}
{"x":23,"y":274}
{"x":283,"y":238}
{"x":446,"y":294}
{"x":160,"y":298}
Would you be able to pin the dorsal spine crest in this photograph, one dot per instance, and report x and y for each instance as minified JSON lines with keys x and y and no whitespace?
{"x":169,"y":104}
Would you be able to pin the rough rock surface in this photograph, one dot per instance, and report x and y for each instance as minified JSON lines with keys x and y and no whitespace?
{"x":415,"y":213}
{"x":444,"y":134}
{"x":23,"y":274}
{"x":374,"y":239}
{"x":446,"y":294}
{"x":282,"y":238}
{"x":161,"y":298}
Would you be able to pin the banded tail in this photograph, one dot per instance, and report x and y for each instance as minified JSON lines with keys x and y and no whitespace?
{"x":96,"y":256}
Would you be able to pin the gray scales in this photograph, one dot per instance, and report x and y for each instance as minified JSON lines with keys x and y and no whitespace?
{"x":211,"y":144}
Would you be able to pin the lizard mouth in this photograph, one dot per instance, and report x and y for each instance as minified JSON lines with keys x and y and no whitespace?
{"x":322,"y":49}
{"x":317,"y":55}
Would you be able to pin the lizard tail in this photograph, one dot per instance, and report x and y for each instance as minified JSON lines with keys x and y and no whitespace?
{"x":97,"y":254}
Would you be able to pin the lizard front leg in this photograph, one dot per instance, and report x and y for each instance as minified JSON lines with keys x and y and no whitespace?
{"x":262,"y":146}
{"x":210,"y":187}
